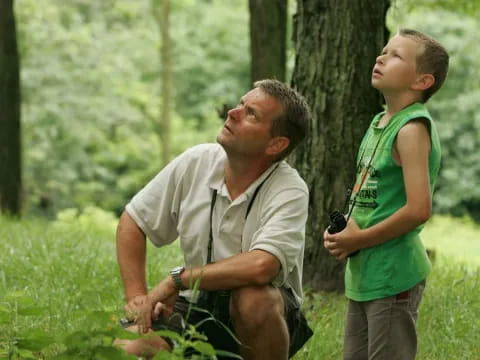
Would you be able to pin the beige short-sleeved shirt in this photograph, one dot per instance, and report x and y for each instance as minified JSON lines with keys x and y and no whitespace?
{"x":176,"y":203}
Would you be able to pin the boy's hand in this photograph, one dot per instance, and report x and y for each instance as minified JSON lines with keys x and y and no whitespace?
{"x":343,"y":243}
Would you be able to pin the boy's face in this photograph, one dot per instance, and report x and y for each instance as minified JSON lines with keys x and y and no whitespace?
{"x":395,"y":70}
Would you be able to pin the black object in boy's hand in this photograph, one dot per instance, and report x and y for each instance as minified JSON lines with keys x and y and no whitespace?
{"x":337,"y":224}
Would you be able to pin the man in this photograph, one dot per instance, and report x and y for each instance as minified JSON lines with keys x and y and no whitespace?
{"x":240,"y":213}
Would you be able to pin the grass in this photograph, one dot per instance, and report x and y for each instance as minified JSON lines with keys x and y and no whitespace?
{"x":57,"y":278}
{"x":449,"y":321}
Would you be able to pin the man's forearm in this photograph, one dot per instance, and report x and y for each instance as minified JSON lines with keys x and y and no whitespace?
{"x":131,"y":254}
{"x":255,"y":267}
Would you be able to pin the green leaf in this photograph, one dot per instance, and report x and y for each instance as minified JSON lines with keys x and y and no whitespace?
{"x":125,"y":334}
{"x":228,"y":354}
{"x":5,"y":315}
{"x":34,"y":340}
{"x":107,"y":352}
{"x":76,"y":339}
{"x":164,"y":355}
{"x":31,"y":310}
{"x":26,"y":354}
{"x":204,"y":348}
{"x":169,"y":334}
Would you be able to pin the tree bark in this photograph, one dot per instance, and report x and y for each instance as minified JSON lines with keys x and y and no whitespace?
{"x":336,"y":44}
{"x":10,"y":142}
{"x":163,"y":18}
{"x":268,"y":36}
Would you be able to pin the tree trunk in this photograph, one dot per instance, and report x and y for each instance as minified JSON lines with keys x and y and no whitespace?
{"x":268,"y":34}
{"x":10,"y":142}
{"x":336,"y":44}
{"x":163,"y":18}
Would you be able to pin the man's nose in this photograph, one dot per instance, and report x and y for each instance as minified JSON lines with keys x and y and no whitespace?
{"x":233,"y":113}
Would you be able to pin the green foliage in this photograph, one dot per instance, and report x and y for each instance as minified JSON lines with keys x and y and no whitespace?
{"x":466,"y":7}
{"x":66,"y":300}
{"x":91,"y":93}
{"x":455,"y":106}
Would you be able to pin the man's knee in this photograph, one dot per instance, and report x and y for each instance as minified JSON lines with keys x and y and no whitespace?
{"x":255,"y":305}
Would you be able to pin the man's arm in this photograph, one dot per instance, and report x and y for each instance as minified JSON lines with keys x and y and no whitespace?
{"x":413,"y":146}
{"x":256,"y":267}
{"x":131,"y":252}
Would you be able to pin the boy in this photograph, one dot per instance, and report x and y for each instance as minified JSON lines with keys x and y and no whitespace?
{"x":397,"y":166}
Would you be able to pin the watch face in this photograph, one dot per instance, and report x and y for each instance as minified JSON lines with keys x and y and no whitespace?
{"x":177,"y":270}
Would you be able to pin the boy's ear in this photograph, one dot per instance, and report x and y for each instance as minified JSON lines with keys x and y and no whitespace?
{"x":423,"y":82}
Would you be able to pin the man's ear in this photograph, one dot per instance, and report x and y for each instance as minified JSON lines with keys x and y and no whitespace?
{"x":423,"y":82}
{"x":277,"y":145}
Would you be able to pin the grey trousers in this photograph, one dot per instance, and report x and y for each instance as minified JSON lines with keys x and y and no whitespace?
{"x":383,"y":328}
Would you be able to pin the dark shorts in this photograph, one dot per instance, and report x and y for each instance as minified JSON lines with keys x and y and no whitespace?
{"x":216,"y":305}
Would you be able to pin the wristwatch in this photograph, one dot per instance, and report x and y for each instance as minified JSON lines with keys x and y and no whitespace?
{"x":175,"y":273}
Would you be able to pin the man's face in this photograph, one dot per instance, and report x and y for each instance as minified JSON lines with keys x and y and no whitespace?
{"x":395,"y":69}
{"x":247,"y":128}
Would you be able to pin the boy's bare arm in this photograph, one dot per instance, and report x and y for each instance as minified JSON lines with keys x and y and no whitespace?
{"x":413,"y":147}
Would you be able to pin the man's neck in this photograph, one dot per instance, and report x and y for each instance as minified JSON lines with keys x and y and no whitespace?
{"x":241,"y":173}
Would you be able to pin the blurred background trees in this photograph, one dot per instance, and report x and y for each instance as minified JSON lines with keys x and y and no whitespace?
{"x":91,"y":84}
{"x":268,"y":39}
{"x":91,"y":92}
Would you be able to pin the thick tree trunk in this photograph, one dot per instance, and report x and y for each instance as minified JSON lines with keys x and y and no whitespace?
{"x":268,"y":36}
{"x":10,"y":143}
{"x":336,"y":44}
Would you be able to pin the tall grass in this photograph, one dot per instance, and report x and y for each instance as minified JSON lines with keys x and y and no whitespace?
{"x":68,"y":270}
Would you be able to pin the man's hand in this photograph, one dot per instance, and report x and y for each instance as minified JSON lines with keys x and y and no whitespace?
{"x":160,"y":301}
{"x":163,"y":296}
{"x":343,"y":243}
{"x":140,"y":309}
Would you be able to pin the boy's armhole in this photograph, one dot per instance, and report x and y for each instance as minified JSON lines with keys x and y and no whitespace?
{"x":422,"y":120}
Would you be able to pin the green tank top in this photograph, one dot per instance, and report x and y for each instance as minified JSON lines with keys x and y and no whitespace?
{"x":398,"y":264}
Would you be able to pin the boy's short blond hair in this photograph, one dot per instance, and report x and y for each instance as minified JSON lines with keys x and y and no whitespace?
{"x":432,"y":60}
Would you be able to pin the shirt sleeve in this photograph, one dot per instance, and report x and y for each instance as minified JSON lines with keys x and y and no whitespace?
{"x":154,"y":208}
{"x":282,"y":230}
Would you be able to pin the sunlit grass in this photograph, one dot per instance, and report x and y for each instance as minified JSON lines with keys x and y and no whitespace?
{"x":450,"y":311}
{"x":457,"y":239}
{"x":69,"y":269}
